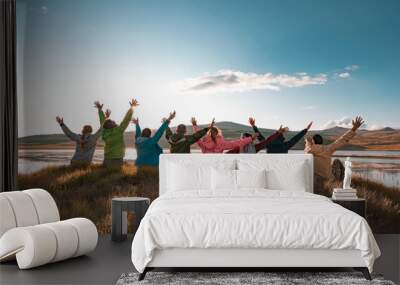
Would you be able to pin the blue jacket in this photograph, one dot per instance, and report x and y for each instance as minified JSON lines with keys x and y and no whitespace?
{"x":148,"y":150}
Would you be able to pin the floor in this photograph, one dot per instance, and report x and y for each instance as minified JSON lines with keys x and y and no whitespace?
{"x":103,"y":266}
{"x":110,"y":260}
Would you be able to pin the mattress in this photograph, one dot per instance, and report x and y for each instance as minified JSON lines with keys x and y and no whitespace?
{"x":250,"y":219}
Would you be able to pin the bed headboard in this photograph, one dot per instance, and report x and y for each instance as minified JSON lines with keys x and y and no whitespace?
{"x":210,"y":159}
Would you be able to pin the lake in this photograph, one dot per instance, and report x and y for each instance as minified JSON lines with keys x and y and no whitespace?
{"x":380,"y":166}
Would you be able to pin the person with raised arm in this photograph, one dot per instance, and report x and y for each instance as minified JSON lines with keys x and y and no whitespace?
{"x":214,"y":141}
{"x":256,"y":147}
{"x":113,"y":134}
{"x":180,"y":142}
{"x":323,"y":153}
{"x":85,"y":143}
{"x":280,"y":144}
{"x":147,"y":148}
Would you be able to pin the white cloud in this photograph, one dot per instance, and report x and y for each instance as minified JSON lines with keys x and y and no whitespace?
{"x":352,"y":67}
{"x":344,"y":75}
{"x":346,"y":72}
{"x":344,"y":122}
{"x":237,"y":81}
{"x":375,"y":127}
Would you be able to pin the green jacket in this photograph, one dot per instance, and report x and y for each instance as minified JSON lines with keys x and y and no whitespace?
{"x":181,"y":143}
{"x":114,"y":138}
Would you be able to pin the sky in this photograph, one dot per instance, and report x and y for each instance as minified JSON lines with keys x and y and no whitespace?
{"x":283,"y":62}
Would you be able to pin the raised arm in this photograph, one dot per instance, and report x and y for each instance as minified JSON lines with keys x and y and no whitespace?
{"x":197,"y":135}
{"x":309,"y":146}
{"x":195,"y":128}
{"x":163,"y":127}
{"x":138,"y":131}
{"x":263,"y":144}
{"x":97,"y":134}
{"x":346,"y":137}
{"x":168,"y":132}
{"x":102,"y":116}
{"x":71,"y":135}
{"x":252,"y":122}
{"x":341,"y":141}
{"x":228,"y":145}
{"x":295,"y":139}
{"x":200,"y":142}
{"x":159,"y":132}
{"x":128,"y":116}
{"x":125,"y":121}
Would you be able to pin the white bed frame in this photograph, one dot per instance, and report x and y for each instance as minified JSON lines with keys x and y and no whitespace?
{"x":250,"y":258}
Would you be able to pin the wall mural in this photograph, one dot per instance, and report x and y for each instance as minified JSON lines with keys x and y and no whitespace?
{"x":104,"y":87}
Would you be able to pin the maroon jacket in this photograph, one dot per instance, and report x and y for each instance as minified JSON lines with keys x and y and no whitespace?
{"x":260,"y":145}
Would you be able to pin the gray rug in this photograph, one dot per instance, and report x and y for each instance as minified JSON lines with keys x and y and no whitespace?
{"x":229,"y":278}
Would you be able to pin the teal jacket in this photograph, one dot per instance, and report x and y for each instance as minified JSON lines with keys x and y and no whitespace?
{"x":148,"y":150}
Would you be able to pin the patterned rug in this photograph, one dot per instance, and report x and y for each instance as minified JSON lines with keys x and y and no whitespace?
{"x":273,"y":278}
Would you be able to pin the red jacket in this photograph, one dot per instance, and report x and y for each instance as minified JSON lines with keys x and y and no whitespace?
{"x":207,"y":145}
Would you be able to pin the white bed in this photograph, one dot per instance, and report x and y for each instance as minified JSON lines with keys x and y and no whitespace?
{"x":213,"y":211}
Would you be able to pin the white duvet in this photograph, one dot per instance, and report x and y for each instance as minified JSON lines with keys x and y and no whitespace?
{"x":250,"y":219}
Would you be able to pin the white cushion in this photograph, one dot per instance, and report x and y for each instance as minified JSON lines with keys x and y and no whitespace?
{"x":67,"y":240}
{"x":287,"y":175}
{"x":292,"y":178}
{"x":7,"y":218}
{"x":223,"y":179}
{"x":87,"y":234}
{"x":23,"y":208}
{"x":192,"y":176}
{"x":251,"y":179}
{"x":45,"y":205}
{"x":183,"y":177}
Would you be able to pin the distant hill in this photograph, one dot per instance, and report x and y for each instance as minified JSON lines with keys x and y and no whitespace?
{"x":384,"y":139}
{"x":387,"y":129}
{"x":44,"y":139}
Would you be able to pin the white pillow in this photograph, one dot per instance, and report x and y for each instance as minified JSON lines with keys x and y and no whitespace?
{"x":251,"y":178}
{"x":282,"y":174}
{"x":182,"y":177}
{"x":223,"y":179}
{"x":292,"y":179}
